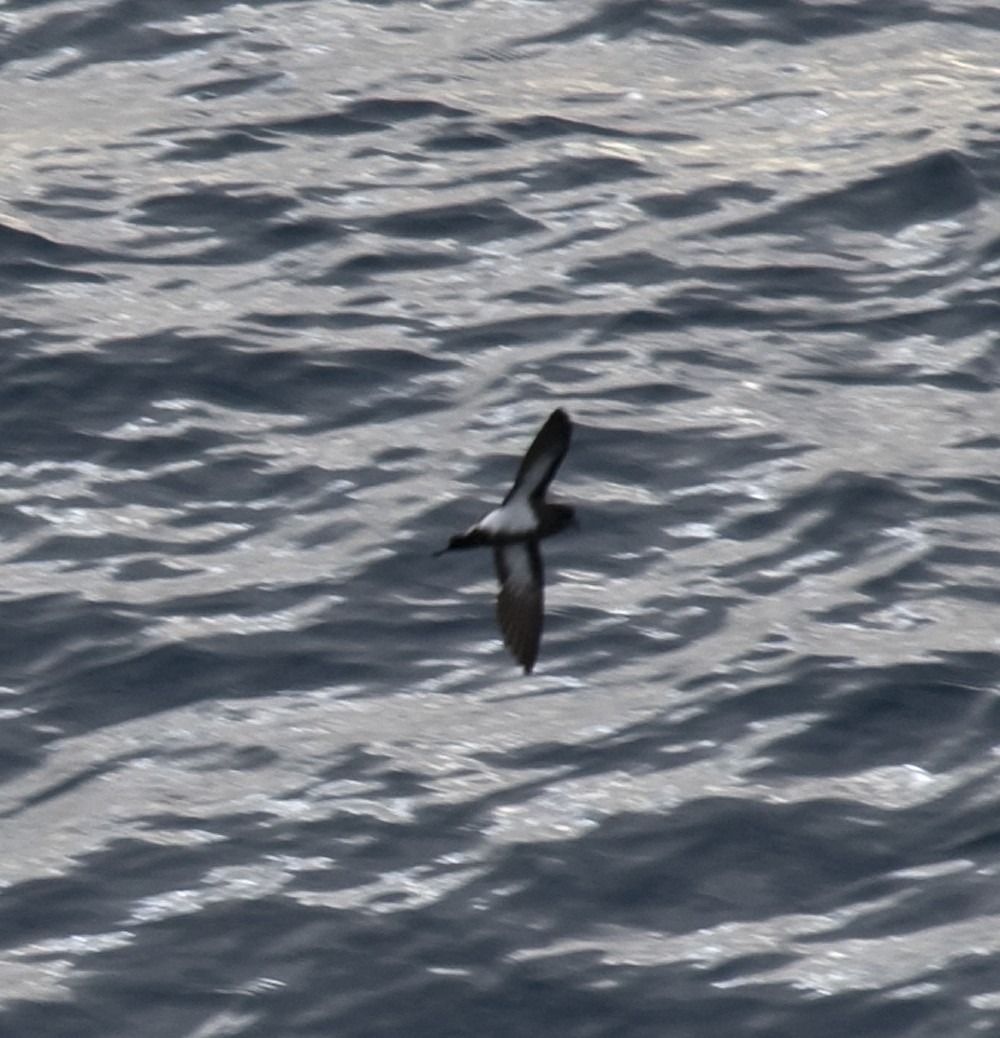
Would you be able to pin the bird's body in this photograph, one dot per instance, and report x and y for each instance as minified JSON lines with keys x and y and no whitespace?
{"x":513,"y":531}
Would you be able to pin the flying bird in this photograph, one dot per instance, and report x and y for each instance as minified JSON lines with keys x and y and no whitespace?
{"x":513,"y":531}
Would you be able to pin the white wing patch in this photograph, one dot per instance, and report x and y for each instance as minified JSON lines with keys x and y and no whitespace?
{"x":512,"y":519}
{"x":534,"y":476}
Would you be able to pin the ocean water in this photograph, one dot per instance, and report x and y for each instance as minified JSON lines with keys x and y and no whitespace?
{"x":287,"y":288}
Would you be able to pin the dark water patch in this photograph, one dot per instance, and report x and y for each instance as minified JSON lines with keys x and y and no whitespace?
{"x":22,"y":748}
{"x":369,"y":115}
{"x":613,"y":21}
{"x":393,"y":110}
{"x":933,"y":187}
{"x":964,"y":382}
{"x":132,"y":679}
{"x":988,"y":442}
{"x":546,"y":127}
{"x":145,"y":681}
{"x":938,"y":715}
{"x":366,"y":846}
{"x":222,"y":209}
{"x":265,"y":600}
{"x":631,"y":268}
{"x":744,"y":966}
{"x":990,"y":252}
{"x":228,"y":758}
{"x":874,"y":374}
{"x":240,"y":226}
{"x":678,"y":205}
{"x":576,"y":237}
{"x":690,"y":21}
{"x":381,"y":775}
{"x":69,"y":205}
{"x":970,"y":557}
{"x":658,"y":745}
{"x":19,"y":246}
{"x":472,"y":223}
{"x":688,"y":618}
{"x":103,"y":889}
{"x":540,"y":295}
{"x":736,"y":23}
{"x":852,"y":510}
{"x":118,"y":32}
{"x":470,"y":139}
{"x":369,"y":267}
{"x":71,"y":784}
{"x":909,"y":582}
{"x":32,"y":911}
{"x":366,"y":368}
{"x":16,"y":277}
{"x":706,"y":359}
{"x":214,"y":147}
{"x":50,"y":629}
{"x":159,"y":448}
{"x":570,"y":174}
{"x":343,"y":318}
{"x":645,"y":394}
{"x":150,"y":569}
{"x":63,"y":402}
{"x":771,"y":682}
{"x":66,"y":401}
{"x":707,"y":862}
{"x":959,"y":320}
{"x":515,"y":331}
{"x":636,"y":322}
{"x":981,"y":373}
{"x":230,"y":86}
{"x":622,"y":456}
{"x":222,"y":492}
{"x":980,"y":150}
{"x":939,"y":901}
{"x":765,"y":683}
{"x":958,"y":830}
{"x":66,"y":192}
{"x":86,"y":550}
{"x":985,"y":593}
{"x":972,"y":828}
{"x":700,"y":308}
{"x":329,"y":124}
{"x":962,"y":495}
{"x":808,"y":283}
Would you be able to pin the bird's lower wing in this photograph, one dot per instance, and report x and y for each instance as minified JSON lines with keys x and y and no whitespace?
{"x":521,"y":601}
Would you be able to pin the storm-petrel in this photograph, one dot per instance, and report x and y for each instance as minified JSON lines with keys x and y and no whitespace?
{"x":513,"y":531}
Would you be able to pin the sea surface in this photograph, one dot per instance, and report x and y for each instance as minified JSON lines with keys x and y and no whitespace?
{"x":286,"y":288}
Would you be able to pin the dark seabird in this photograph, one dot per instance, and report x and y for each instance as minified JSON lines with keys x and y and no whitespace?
{"x":513,"y":531}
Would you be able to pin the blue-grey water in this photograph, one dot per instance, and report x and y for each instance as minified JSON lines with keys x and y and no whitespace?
{"x":286,"y":290}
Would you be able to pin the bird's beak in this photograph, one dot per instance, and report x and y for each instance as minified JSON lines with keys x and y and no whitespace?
{"x":438,"y":554}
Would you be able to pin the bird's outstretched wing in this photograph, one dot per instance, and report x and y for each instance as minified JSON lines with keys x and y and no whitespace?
{"x":521,"y":601}
{"x":544,"y":456}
